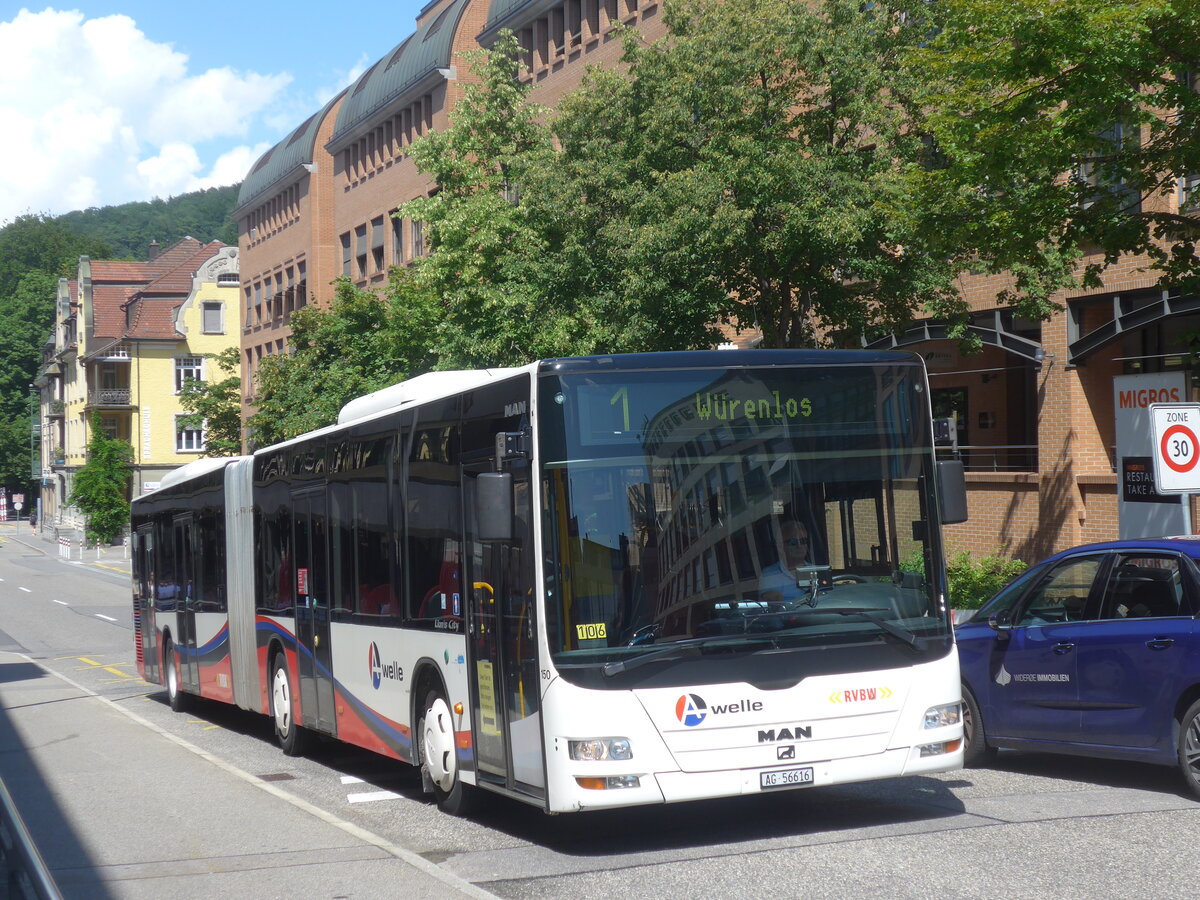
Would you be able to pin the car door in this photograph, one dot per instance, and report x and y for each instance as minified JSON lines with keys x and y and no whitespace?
{"x":1032,"y":687}
{"x":1131,"y":658}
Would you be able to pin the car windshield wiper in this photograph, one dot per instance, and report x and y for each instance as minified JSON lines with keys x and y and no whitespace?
{"x":869,"y":614}
{"x":677,"y":648}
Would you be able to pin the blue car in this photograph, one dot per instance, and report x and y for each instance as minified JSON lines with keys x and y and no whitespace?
{"x":1093,"y":652}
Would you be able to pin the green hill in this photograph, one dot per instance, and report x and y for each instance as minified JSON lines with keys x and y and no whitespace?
{"x":129,"y":228}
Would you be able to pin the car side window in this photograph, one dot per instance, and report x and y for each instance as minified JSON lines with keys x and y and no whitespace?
{"x":1062,"y":595}
{"x":1008,"y":596}
{"x":1144,"y":586}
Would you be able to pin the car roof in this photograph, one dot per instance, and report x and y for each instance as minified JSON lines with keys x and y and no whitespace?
{"x":1187,"y":544}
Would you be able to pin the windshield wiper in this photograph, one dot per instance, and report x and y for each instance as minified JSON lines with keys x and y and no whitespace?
{"x":869,"y":614}
{"x":679,"y":648}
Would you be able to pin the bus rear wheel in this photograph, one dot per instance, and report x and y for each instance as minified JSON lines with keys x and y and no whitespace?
{"x":439,"y":756}
{"x":175,"y":695}
{"x":290,"y":735}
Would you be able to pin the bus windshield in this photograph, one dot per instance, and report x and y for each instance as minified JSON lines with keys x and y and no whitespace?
{"x":736,"y":509}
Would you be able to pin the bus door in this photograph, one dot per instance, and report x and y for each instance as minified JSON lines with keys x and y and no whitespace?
{"x":310,"y":580}
{"x":143,"y":556}
{"x":502,"y":642}
{"x":186,"y":600}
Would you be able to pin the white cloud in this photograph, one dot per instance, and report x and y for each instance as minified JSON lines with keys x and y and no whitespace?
{"x":92,"y":112}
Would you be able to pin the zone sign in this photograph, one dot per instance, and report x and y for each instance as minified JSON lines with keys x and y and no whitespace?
{"x":1176,"y":428}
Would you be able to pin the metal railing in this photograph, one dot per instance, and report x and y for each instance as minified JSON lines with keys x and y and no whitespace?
{"x":109,"y":397}
{"x":23,"y":872}
{"x":993,"y":457}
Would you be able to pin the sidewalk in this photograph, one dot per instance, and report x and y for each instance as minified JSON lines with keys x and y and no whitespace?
{"x":121,"y":809}
{"x":116,"y":558}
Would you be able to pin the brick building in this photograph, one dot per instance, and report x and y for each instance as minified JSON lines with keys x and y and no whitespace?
{"x":1036,"y":418}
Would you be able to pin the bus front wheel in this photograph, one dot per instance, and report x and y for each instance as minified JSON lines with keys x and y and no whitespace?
{"x":289,"y":734}
{"x":439,"y":757}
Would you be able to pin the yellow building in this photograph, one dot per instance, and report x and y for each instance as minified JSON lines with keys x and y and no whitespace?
{"x":127,"y":335}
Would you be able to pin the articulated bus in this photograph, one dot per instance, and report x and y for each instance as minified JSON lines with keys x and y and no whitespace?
{"x":583,"y":583}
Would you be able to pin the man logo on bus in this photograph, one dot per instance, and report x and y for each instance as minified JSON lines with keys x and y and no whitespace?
{"x":375,"y":665}
{"x":690,"y":710}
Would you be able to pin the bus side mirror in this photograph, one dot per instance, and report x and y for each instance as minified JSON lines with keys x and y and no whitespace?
{"x":952,"y":491}
{"x":494,"y":506}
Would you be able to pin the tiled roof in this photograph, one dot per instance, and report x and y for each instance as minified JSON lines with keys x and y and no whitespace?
{"x":179,"y":278}
{"x":154,"y":319}
{"x":156,"y":289}
{"x":107,"y":315}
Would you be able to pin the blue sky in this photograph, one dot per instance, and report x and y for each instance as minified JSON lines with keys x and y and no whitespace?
{"x":106,"y":102}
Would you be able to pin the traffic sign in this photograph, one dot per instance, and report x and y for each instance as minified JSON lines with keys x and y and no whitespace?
{"x":1176,"y":428}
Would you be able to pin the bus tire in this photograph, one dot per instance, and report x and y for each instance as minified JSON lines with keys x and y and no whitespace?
{"x":976,"y":751}
{"x":439,"y":756}
{"x":288,"y":733}
{"x":175,"y":695}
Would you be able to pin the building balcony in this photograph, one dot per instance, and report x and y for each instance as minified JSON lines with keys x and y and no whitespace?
{"x":109,"y":398}
{"x":55,"y":409}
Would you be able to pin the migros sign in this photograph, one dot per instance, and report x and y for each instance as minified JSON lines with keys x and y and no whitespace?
{"x":1143,"y":397}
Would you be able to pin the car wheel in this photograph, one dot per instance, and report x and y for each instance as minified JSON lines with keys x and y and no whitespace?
{"x":175,"y":696}
{"x":1189,"y":748}
{"x":290,"y":735}
{"x":976,"y":752}
{"x":439,"y":756}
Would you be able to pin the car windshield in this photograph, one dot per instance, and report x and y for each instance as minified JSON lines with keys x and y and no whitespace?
{"x":736,"y":510}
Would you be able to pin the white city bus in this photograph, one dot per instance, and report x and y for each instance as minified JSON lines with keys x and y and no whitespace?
{"x":581,"y":583}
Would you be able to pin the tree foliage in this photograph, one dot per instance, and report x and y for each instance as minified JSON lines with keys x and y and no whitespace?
{"x":1064,"y":125}
{"x":358,"y":345}
{"x":101,"y":486}
{"x":130,"y":227}
{"x":216,"y":405}
{"x":760,"y":180}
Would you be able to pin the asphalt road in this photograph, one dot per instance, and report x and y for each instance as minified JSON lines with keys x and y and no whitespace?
{"x":131,"y":800}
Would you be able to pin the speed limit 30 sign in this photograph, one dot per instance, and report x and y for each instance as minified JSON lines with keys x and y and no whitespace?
{"x":1176,"y":447}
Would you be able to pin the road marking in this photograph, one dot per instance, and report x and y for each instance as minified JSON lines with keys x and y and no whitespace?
{"x":26,"y":590}
{"x":372,"y":796}
{"x":105,"y":618}
{"x":62,"y":602}
{"x":351,"y":779}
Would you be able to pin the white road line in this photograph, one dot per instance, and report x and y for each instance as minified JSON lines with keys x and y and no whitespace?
{"x":372,"y":796}
{"x":351,"y":779}
{"x":105,"y":618}
{"x":26,"y":590}
{"x":402,"y":853}
{"x":62,"y":602}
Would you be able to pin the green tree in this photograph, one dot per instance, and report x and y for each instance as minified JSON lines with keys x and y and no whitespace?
{"x":358,"y":345}
{"x":1064,"y":125}
{"x":216,"y":405}
{"x":486,"y":269}
{"x":25,"y":316}
{"x":762,"y":179}
{"x":101,"y":486}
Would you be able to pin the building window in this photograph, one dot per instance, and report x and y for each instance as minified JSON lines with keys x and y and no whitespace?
{"x":397,"y":240}
{"x":346,"y":254}
{"x":360,"y":249}
{"x":418,"y":239}
{"x":188,"y":367}
{"x":1103,"y":172}
{"x":187,"y":440}
{"x":213,"y":318}
{"x":377,"y":243}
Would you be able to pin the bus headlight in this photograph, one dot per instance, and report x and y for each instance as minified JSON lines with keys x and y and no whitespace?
{"x":600,"y":748}
{"x":940,"y":716}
